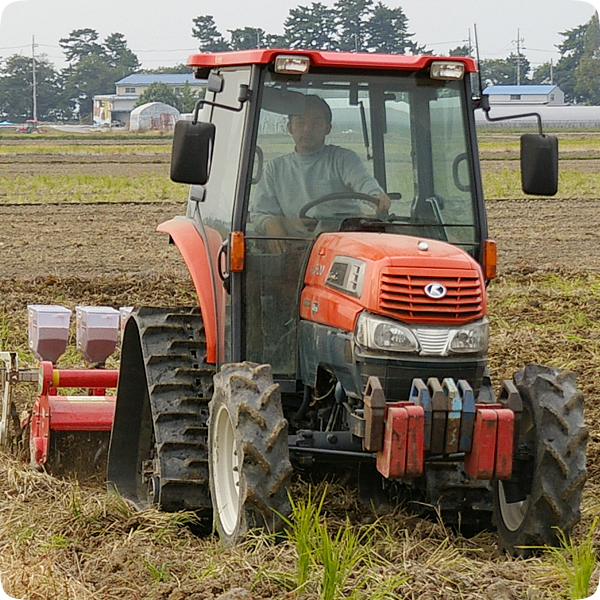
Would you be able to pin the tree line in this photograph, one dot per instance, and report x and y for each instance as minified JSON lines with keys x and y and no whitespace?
{"x":93,"y":68}
{"x":94,"y":65}
{"x":349,"y":26}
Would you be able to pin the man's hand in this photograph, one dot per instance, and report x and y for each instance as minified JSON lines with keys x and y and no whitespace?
{"x":274,"y":229}
{"x":384,"y":205}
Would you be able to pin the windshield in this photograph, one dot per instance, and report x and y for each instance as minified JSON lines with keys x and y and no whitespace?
{"x":339,"y":152}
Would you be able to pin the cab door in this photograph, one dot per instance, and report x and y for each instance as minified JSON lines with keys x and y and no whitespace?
{"x":215,"y":202}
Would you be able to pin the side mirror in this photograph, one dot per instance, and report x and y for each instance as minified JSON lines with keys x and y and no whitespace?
{"x":539,"y":164}
{"x":192,"y":152}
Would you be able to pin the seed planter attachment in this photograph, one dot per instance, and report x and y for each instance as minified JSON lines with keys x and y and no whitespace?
{"x":69,"y":401}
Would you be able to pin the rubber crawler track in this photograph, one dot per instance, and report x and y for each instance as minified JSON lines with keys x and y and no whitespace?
{"x":159,"y":452}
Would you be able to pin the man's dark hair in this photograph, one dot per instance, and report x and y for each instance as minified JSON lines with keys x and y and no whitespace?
{"x":312,"y":101}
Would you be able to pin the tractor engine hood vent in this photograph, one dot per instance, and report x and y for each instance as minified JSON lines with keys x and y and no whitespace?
{"x":410,"y":279}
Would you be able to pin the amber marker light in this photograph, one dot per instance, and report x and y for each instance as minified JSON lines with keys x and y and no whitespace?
{"x":490,"y":259}
{"x":237,"y":252}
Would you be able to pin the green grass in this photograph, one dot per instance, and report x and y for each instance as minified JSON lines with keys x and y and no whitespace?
{"x":572,"y":183}
{"x":89,"y":188}
{"x":575,"y":562}
{"x":336,"y":563}
{"x":84,"y":149}
{"x":508,"y":143}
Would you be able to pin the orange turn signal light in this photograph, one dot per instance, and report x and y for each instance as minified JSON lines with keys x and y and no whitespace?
{"x":490,"y":259}
{"x":237,"y":252}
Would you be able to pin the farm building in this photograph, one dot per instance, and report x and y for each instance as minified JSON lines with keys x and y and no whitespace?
{"x":525,"y":94}
{"x":111,"y":109}
{"x":138,"y":83}
{"x":565,"y":116}
{"x":153,"y":116}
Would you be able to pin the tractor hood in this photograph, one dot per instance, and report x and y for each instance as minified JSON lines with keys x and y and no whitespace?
{"x":415,"y":280}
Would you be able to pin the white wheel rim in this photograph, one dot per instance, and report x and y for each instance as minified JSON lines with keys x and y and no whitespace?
{"x":225,"y":471}
{"x":513,"y":513}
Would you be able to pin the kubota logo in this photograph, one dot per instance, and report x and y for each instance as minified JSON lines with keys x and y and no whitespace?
{"x":435,"y":290}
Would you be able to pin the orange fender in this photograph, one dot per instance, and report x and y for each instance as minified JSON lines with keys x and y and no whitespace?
{"x":195,"y":254}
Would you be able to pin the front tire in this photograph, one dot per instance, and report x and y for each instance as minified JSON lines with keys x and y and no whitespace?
{"x":249,"y":463}
{"x":544,"y":494}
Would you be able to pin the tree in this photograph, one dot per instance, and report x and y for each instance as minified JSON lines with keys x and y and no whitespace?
{"x":571,"y":50}
{"x":587,"y":73}
{"x":158,"y":92}
{"x":505,"y":71}
{"x":311,"y":27}
{"x":187,"y":98}
{"x":272,"y":40}
{"x":119,"y":55}
{"x":184,"y":101}
{"x":246,"y":38}
{"x":352,"y":15}
{"x":16,"y":89}
{"x":81,"y":43}
{"x":387,"y":31}
{"x":205,"y":30}
{"x":544,"y":74}
{"x":180,"y":69}
{"x":461,"y":51}
{"x":94,"y":67}
{"x":89,"y":77}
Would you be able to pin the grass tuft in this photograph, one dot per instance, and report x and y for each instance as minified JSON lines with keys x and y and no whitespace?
{"x":576,"y":562}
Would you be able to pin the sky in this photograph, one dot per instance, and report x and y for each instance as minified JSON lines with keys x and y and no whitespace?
{"x":159,"y":31}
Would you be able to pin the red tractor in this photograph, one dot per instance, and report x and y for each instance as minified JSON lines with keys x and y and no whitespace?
{"x":336,"y":236}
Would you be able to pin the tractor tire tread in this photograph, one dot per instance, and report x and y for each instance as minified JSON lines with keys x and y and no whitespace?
{"x":253,"y":402}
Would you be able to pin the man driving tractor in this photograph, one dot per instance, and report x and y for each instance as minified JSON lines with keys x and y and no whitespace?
{"x":312,"y":171}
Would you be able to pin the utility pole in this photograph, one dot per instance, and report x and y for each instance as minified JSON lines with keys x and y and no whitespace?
{"x":518,"y":41}
{"x":33,"y":46}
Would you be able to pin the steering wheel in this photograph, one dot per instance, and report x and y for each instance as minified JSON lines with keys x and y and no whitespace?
{"x":338,"y":196}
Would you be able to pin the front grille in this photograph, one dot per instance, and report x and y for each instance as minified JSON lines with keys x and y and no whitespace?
{"x":402,"y":295}
{"x":433,"y":341}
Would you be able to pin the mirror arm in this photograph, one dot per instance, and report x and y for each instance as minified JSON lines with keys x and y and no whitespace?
{"x":486,"y":110}
{"x":244,"y":96}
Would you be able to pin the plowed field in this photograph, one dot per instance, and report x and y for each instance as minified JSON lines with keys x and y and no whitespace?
{"x":63,"y":539}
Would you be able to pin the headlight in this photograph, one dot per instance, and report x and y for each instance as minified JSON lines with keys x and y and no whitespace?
{"x":378,"y":333}
{"x":471,"y":338}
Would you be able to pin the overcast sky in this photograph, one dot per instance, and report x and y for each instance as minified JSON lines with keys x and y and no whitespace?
{"x":159,"y":31}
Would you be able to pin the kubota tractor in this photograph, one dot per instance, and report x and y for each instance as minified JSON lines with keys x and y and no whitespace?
{"x":334,"y":332}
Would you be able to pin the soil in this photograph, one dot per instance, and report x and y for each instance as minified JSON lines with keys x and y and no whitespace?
{"x":112,"y":254}
{"x":120,"y":240}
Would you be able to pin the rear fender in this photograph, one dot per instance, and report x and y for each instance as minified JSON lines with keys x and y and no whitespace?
{"x":194,"y":251}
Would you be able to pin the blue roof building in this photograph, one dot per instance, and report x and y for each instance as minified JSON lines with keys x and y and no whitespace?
{"x":139,"y":82}
{"x":115,"y":109}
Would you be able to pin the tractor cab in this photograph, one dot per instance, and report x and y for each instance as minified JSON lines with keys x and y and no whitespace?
{"x":299,"y":144}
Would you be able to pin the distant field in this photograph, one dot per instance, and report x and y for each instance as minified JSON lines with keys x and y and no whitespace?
{"x":79,"y":216}
{"x":129,"y":168}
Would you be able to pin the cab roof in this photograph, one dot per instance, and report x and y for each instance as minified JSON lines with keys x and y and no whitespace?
{"x":342,"y":60}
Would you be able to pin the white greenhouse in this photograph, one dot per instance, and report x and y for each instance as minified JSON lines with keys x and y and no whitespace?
{"x":153,"y":116}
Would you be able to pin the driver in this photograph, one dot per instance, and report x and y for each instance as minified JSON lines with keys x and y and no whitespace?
{"x":312,"y":171}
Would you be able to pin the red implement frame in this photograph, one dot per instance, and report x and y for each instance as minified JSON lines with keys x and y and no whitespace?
{"x":51,"y":412}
